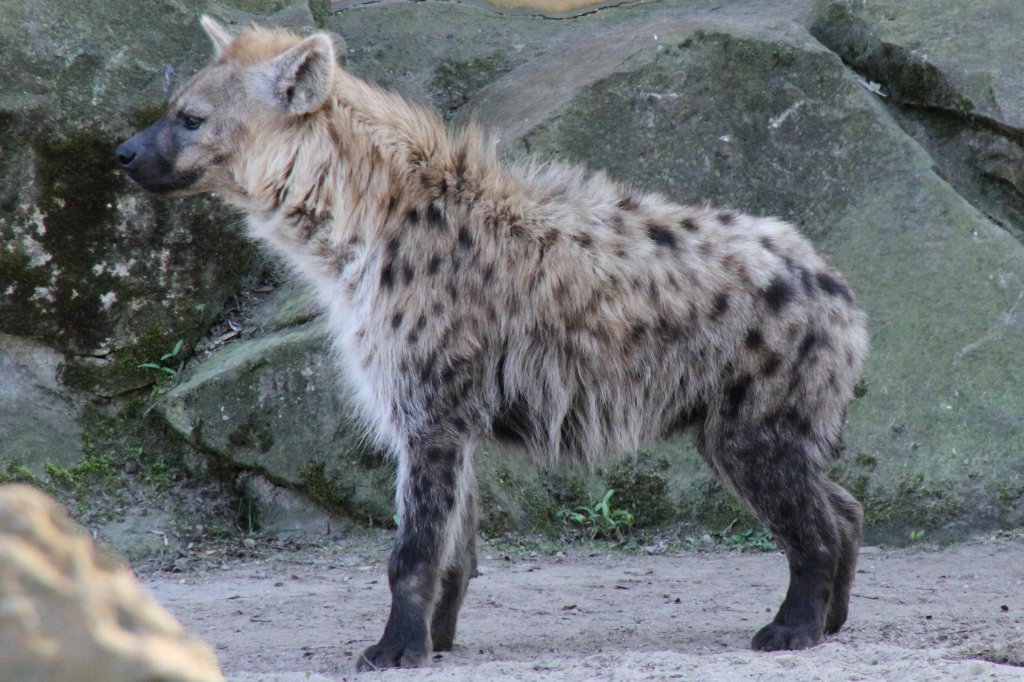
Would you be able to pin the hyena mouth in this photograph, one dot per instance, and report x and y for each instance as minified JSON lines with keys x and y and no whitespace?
{"x":166,"y":185}
{"x":151,"y":169}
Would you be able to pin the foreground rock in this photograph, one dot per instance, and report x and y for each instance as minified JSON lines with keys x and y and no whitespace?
{"x":70,"y":612}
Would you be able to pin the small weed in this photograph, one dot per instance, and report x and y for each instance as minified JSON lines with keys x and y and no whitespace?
{"x":757,"y":540}
{"x":917,"y":535}
{"x":160,"y":365}
{"x":601,"y":520}
{"x":860,"y":389}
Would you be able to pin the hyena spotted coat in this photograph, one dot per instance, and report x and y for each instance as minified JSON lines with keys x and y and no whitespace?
{"x":465,"y":298}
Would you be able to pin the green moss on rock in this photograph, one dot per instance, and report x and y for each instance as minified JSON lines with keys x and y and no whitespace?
{"x":335,"y":493}
{"x":641,"y":488}
{"x":455,"y":82}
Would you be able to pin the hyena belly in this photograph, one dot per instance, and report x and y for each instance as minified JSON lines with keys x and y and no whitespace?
{"x":466,"y":298}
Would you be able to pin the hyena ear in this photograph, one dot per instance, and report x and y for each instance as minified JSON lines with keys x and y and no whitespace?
{"x":299,"y":80}
{"x":219,"y":35}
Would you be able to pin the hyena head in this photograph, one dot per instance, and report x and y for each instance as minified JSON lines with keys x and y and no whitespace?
{"x":260,"y":80}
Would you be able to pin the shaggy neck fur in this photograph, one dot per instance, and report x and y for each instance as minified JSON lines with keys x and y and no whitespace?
{"x":356,"y":167}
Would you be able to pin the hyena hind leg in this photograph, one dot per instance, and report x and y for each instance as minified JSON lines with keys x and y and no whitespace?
{"x":781,"y":482}
{"x":455,"y":579}
{"x":850,"y":516}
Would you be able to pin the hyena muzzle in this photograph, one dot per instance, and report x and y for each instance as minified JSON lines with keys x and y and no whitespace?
{"x":467,"y":298}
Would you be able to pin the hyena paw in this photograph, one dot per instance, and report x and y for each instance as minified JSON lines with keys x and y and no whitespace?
{"x":778,"y":637}
{"x":393,"y":655}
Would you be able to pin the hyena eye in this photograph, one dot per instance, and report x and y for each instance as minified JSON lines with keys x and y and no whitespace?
{"x":189,"y":121}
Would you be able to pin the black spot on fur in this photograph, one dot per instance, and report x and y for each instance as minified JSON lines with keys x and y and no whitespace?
{"x":754,"y":339}
{"x":427,"y":368}
{"x":803,"y":273}
{"x":669,"y":330}
{"x":434,"y":217}
{"x":778,"y":294}
{"x":434,"y":265}
{"x":807,"y":345}
{"x":833,"y":287}
{"x":689,"y":224}
{"x":396,"y":320}
{"x":719,"y":306}
{"x":727,"y":217}
{"x":407,"y":272}
{"x":414,"y":333}
{"x":584,"y":240}
{"x":661,"y":235}
{"x":629,"y":203}
{"x":771,"y":365}
{"x":387,"y":276}
{"x":735,"y":394}
{"x":394,"y":244}
{"x":488,"y":273}
{"x":768,"y":244}
{"x":413,"y":216}
{"x":465,"y":238}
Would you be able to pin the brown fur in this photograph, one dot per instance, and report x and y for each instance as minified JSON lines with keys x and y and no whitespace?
{"x":465,"y":298}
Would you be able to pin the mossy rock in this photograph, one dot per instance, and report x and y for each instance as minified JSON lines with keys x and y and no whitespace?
{"x":110,"y":276}
{"x":762,"y":118}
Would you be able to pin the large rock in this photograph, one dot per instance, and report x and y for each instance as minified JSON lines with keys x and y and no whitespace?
{"x":951,"y":72}
{"x":37,"y":421}
{"x":70,"y":612}
{"x":721,"y":106}
{"x":764,"y":119}
{"x":90,"y":264}
{"x":271,"y":405}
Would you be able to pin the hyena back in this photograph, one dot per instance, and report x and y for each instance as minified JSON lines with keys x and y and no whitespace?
{"x":468,"y":298}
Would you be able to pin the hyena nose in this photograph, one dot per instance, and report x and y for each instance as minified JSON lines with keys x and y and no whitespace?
{"x":126,"y":154}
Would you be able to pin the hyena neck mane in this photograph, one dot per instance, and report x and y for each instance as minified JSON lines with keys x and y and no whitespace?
{"x":353,"y":173}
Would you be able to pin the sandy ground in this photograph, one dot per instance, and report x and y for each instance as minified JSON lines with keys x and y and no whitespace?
{"x":916,"y":614}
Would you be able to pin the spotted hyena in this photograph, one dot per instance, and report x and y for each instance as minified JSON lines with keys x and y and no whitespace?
{"x":467,"y":298}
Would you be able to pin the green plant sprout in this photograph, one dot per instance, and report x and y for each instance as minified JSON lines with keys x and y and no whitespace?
{"x":161,"y":367}
{"x":601,"y":520}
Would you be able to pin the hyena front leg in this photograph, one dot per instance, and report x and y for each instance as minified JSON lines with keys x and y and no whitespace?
{"x":433,"y":497}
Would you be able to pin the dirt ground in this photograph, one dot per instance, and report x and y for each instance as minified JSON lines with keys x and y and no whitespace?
{"x":917,"y":614}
